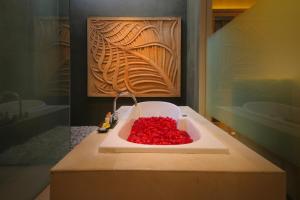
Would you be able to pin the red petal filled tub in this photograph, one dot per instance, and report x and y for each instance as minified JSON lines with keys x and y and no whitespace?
{"x":157,"y":131}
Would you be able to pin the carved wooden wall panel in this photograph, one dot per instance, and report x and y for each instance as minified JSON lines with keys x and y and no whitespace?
{"x":141,"y":55}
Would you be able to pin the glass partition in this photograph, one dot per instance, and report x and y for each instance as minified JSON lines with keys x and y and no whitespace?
{"x":34,"y":93}
{"x":253,"y":78}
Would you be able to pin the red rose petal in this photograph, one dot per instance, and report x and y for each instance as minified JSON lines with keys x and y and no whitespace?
{"x":157,"y":130}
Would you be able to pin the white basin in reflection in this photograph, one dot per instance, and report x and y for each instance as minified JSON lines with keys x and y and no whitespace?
{"x":203,"y":140}
{"x":29,"y":106}
{"x":274,"y":111}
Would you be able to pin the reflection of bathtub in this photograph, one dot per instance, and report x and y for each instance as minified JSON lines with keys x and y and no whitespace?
{"x":281,"y":117}
{"x":28,"y":106}
{"x":271,"y":125}
{"x":274,"y":111}
{"x":203,"y":141}
{"x":39,"y":118}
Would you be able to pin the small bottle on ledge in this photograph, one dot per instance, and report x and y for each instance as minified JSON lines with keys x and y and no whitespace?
{"x":103,"y":127}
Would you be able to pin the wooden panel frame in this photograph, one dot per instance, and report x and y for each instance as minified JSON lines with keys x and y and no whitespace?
{"x":160,"y":74}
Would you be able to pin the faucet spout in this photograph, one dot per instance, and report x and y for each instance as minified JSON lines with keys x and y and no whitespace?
{"x":122,"y":94}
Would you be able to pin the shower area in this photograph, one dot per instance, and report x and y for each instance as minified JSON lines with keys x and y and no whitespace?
{"x":34,"y":93}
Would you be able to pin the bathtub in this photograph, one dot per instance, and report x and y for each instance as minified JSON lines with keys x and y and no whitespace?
{"x":203,"y":140}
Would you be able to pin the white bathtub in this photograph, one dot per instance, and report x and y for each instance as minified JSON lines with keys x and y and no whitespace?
{"x":203,"y":140}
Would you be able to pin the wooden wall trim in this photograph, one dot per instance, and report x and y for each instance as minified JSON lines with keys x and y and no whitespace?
{"x":205,"y":30}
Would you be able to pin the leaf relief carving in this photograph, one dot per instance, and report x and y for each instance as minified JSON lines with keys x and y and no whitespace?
{"x":140,"y":55}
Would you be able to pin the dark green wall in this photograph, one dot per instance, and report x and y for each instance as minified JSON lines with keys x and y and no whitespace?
{"x":19,"y":38}
{"x":15,"y":51}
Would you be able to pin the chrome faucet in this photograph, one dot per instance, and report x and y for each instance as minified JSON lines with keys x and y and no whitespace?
{"x":115,"y":116}
{"x":18,"y":98}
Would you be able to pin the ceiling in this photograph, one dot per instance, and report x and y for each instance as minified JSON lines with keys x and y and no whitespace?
{"x":232,"y":4}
